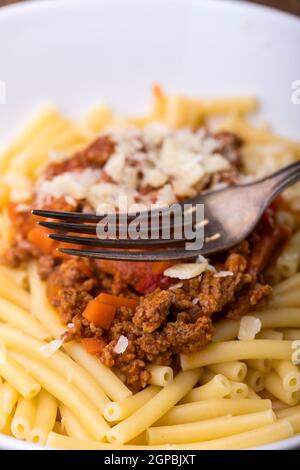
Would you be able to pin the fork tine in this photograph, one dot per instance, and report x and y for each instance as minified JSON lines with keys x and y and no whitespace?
{"x":142,"y":256}
{"x":117,"y":243}
{"x":67,"y":227}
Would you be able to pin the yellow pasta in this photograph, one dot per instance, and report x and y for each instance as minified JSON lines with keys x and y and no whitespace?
{"x":40,"y":122}
{"x":209,"y":429}
{"x":273,"y":384}
{"x":288,"y":261}
{"x":262,"y":365}
{"x":226,"y":330}
{"x":214,"y":408}
{"x":3,"y":419}
{"x":273,"y":318}
{"x":290,"y":283}
{"x":44,"y":420}
{"x":257,"y":437}
{"x":18,"y":378}
{"x":255,"y":379}
{"x":58,"y":361}
{"x":71,"y":424}
{"x":105,"y":377}
{"x":7,"y":428}
{"x":237,"y":351}
{"x":291,"y":333}
{"x":238,"y":390}
{"x":23,"y":418}
{"x":86,"y":413}
{"x":269,"y":334}
{"x":218,"y":387}
{"x":289,"y":374}
{"x":160,"y":375}
{"x":8,"y":398}
{"x":40,"y":306}
{"x":117,"y":411}
{"x":233,"y":370}
{"x":11,"y":291}
{"x":154,"y":408}
{"x":18,"y":317}
{"x":286,"y":299}
{"x":292,"y":415}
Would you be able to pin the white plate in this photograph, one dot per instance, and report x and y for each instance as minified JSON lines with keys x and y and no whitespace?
{"x":77,"y":53}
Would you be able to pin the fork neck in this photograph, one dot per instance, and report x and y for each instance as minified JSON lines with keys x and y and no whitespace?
{"x":282,"y":179}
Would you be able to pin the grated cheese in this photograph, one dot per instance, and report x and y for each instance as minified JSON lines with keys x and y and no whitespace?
{"x":249,"y":327}
{"x":49,"y":349}
{"x":186,"y":270}
{"x":121,"y":345}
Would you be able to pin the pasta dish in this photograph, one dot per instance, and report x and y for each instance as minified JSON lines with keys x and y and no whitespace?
{"x":103,"y":354}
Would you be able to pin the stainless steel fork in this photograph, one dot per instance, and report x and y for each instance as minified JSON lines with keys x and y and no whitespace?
{"x":231,"y":215}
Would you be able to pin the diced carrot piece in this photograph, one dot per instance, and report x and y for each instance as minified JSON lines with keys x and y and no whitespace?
{"x":99,"y":313}
{"x":93,"y":345}
{"x":158,"y":267}
{"x":38,"y":237}
{"x":117,"y":301}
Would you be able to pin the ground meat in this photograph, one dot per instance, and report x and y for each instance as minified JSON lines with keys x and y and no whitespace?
{"x":95,"y":156}
{"x":153,"y":310}
{"x":230,"y":147}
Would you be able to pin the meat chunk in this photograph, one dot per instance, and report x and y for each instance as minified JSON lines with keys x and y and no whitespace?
{"x":153,"y":310}
{"x":95,"y":155}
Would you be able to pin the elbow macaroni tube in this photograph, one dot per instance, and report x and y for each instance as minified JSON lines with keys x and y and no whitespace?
{"x":290,"y":283}
{"x":8,"y":398}
{"x":65,"y":392}
{"x":18,"y":378}
{"x":72,"y":425}
{"x":292,"y":415}
{"x":58,"y":361}
{"x":207,"y":409}
{"x":257,"y":437}
{"x":45,"y":416}
{"x":288,"y":299}
{"x":238,"y":390}
{"x":23,"y":418}
{"x":119,"y":410}
{"x":273,"y":318}
{"x":13,"y":293}
{"x":40,"y":306}
{"x":263,"y":365}
{"x":108,"y":381}
{"x":291,"y":333}
{"x":289,"y":374}
{"x":255,"y":379}
{"x":153,"y":409}
{"x":233,"y":370}
{"x":16,"y":316}
{"x":218,"y":387}
{"x":288,"y":261}
{"x":237,"y":351}
{"x":209,"y":429}
{"x":160,"y":375}
{"x":226,"y":330}
{"x":269,"y":334}
{"x":3,"y":420}
{"x":273,"y":384}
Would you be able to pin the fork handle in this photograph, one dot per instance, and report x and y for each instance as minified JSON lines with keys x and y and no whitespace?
{"x":283,"y":179}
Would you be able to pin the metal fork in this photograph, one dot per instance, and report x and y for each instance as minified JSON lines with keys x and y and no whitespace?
{"x":231,"y":215}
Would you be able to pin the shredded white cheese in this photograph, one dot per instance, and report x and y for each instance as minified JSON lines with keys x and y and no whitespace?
{"x":176,"y":286}
{"x":296,"y":344}
{"x":249,"y":327}
{"x":186,"y":270}
{"x":49,"y":349}
{"x":223,"y":274}
{"x":296,"y":357}
{"x":121,"y":345}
